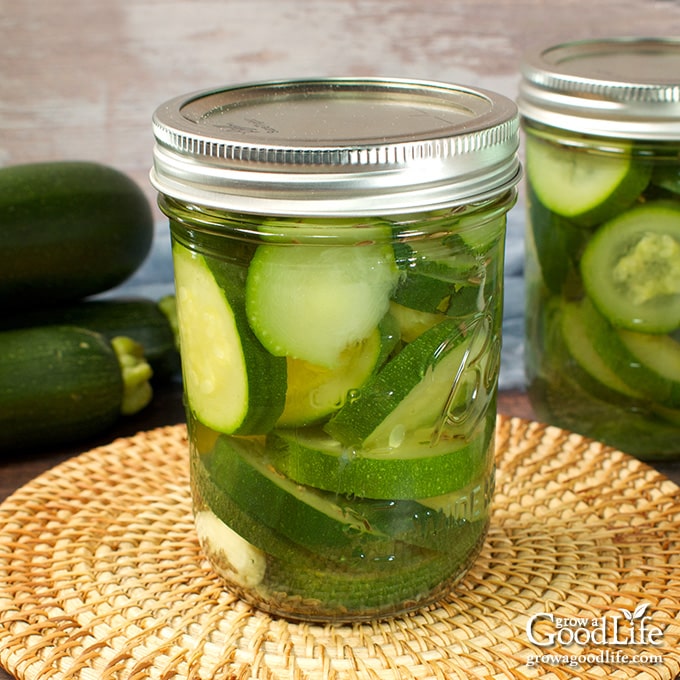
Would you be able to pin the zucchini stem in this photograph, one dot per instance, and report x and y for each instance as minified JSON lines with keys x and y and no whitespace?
{"x":168,"y":306}
{"x":136,"y":373}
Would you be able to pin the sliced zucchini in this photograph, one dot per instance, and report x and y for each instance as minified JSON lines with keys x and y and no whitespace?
{"x":581,"y":185}
{"x":631,"y":268}
{"x":392,"y":585}
{"x":423,"y":293}
{"x":209,"y":495}
{"x":419,"y":471}
{"x":439,"y":275}
{"x":311,"y":303}
{"x":412,"y":322}
{"x":659,"y":354}
{"x":314,"y":392}
{"x":648,"y":364}
{"x":482,"y":235}
{"x":302,"y":514}
{"x":599,"y":378}
{"x":418,"y":389}
{"x":558,"y":244}
{"x":232,"y":383}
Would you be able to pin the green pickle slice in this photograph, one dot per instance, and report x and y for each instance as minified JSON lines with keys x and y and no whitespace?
{"x":648,"y":364}
{"x":583,"y":185}
{"x":419,"y":471}
{"x":418,"y":388}
{"x":312,"y":302}
{"x":302,"y":514}
{"x":591,"y":370}
{"x":232,"y":383}
{"x":631,"y":268}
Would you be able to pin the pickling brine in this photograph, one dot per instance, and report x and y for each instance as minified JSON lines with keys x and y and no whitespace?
{"x":341,"y":401}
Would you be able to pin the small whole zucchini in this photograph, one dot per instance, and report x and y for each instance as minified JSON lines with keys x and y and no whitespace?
{"x":63,"y":384}
{"x":151,"y":324}
{"x":69,"y":229}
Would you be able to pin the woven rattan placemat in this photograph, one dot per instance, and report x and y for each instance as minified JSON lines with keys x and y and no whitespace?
{"x":101,"y":577}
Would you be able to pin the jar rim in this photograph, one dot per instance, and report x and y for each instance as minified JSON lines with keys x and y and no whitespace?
{"x":336,"y":146}
{"x":612,"y":87}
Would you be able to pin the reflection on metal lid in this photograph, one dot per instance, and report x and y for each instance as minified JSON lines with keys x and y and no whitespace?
{"x":618,"y":87}
{"x":336,"y":146}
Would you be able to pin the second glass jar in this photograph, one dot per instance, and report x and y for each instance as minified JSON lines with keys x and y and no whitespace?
{"x":603,"y":241}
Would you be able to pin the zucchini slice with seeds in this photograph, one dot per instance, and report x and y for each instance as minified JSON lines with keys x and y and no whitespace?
{"x":631,"y":268}
{"x":313,"y":302}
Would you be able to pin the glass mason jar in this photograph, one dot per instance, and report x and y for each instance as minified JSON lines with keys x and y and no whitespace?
{"x":338,"y":254}
{"x":602,"y":122}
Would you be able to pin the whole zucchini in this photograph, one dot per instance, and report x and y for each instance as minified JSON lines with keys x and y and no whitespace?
{"x":62,"y":384}
{"x":69,"y":229}
{"x":152,"y":324}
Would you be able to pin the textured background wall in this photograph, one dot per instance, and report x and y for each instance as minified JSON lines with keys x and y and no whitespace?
{"x":81,"y":78}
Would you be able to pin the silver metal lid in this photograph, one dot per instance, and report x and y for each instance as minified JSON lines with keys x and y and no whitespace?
{"x":616,"y":87}
{"x":339,"y":146}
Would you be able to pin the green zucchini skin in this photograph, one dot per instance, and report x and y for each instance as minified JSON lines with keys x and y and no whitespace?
{"x":69,"y":229}
{"x":58,"y":384}
{"x":139,"y":319}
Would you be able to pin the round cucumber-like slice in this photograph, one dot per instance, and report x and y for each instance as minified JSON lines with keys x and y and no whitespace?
{"x":648,"y":364}
{"x":482,"y":235}
{"x":631,"y":268}
{"x":583,"y":185}
{"x":312,"y":302}
{"x":418,"y":387}
{"x":232,"y":383}
{"x":209,"y":495}
{"x":418,"y":471}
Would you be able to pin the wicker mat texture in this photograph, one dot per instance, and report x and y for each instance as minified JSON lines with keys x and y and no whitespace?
{"x":101,"y":578}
